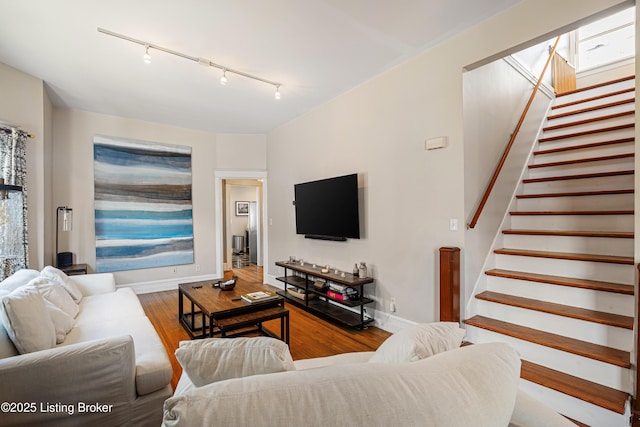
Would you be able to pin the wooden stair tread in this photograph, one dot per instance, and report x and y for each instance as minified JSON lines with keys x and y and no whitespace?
{"x":597,"y":394}
{"x":586,"y":132}
{"x":588,"y":121}
{"x":563,"y":281}
{"x":582,"y":160}
{"x":582,"y":348}
{"x":599,"y":212}
{"x":584,"y":146}
{"x":594,"y":316}
{"x":571,"y":233}
{"x":593,"y":98}
{"x":612,"y":259}
{"x":576,"y":193}
{"x":597,"y":85}
{"x":579,"y":176}
{"x":594,"y":108}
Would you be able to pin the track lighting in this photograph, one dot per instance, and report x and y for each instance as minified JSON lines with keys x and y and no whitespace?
{"x":201,"y":61}
{"x":147,"y":57}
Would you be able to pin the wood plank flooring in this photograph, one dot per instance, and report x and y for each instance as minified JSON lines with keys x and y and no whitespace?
{"x":310,"y":336}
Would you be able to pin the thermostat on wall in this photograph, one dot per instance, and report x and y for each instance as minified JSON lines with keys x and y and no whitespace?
{"x":433,"y":143}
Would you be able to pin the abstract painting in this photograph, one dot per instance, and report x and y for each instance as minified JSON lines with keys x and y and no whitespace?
{"x":143,"y":206}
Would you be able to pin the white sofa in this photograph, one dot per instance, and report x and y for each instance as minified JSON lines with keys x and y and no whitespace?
{"x":112,"y":368}
{"x":467,"y":386}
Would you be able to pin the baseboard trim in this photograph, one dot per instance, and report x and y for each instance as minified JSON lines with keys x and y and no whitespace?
{"x":385,"y":321}
{"x":165,"y":285}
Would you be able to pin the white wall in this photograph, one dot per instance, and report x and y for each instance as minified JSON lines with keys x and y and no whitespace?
{"x":494,"y":98}
{"x":73,"y":183}
{"x":378,"y":130}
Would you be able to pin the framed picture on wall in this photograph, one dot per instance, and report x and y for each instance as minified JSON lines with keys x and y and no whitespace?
{"x":242,"y":208}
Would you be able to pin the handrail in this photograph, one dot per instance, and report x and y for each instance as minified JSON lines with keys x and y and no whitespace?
{"x":503,"y":159}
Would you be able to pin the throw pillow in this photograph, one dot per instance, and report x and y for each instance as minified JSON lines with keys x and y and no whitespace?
{"x":56,"y":294}
{"x":67,"y":283}
{"x":62,"y":322}
{"x":216,"y":359}
{"x":24,"y":315}
{"x":419,"y":342}
{"x":18,"y":279}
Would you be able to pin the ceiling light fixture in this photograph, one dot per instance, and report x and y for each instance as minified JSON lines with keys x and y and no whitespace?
{"x":202,"y":61}
{"x":146,"y":57}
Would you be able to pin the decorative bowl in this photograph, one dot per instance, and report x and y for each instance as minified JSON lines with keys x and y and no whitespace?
{"x":226,"y":285}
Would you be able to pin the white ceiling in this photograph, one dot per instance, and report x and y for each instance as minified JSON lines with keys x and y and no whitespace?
{"x":317,"y":49}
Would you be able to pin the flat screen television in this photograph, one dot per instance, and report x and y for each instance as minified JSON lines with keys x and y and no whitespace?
{"x":328,"y":209}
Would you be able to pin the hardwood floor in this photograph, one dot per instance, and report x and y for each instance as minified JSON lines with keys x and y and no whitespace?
{"x":309,"y":335}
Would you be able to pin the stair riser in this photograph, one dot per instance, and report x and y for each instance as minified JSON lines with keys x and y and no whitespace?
{"x":585,"y":298}
{"x":595,"y":92}
{"x":574,"y":244}
{"x":586,"y":139}
{"x":573,"y":222}
{"x":580,"y":184}
{"x":606,"y":150}
{"x":617,"y":121}
{"x":572,"y":364}
{"x":589,"y":114}
{"x":577,"y":409}
{"x":600,"y":271}
{"x":611,"y":201}
{"x":609,"y":336}
{"x":590,"y":104}
{"x":610,"y":165}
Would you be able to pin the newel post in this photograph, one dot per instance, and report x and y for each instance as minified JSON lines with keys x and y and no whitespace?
{"x":449,"y":284}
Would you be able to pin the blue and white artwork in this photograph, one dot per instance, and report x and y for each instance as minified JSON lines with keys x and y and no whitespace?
{"x":143,"y":206}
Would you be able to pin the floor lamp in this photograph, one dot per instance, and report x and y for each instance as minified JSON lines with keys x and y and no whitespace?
{"x":63,"y":259}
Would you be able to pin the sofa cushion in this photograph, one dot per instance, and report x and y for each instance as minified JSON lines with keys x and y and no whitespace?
{"x":25,"y":317}
{"x":121,"y":304}
{"x":336,"y":359}
{"x":60,"y":277}
{"x":469,"y":386}
{"x":216,"y":359}
{"x":419,"y":342}
{"x":153,"y":369}
{"x":56,"y":294}
{"x":18,"y":279}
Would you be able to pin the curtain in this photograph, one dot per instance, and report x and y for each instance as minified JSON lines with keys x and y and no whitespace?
{"x":13,"y":207}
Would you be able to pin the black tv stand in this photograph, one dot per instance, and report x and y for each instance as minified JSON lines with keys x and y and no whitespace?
{"x":349,"y":313}
{"x":321,"y":237}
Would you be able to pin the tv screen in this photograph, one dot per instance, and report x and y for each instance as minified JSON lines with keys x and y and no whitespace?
{"x":328,"y":208}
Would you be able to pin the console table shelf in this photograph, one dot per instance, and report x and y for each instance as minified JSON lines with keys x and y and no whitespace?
{"x":348,"y":313}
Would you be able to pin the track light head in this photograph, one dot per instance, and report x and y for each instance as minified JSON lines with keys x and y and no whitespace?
{"x":223,"y":79}
{"x":146,"y":57}
{"x":277,"y":94}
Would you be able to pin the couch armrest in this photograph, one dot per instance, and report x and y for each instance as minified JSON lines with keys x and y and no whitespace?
{"x":100,"y":371}
{"x":96,"y":283}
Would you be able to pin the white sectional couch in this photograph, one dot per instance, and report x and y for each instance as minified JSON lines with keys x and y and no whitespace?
{"x":110,"y":369}
{"x":460,"y":387}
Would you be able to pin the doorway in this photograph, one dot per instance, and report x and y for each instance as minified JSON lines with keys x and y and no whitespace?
{"x":240,"y":212}
{"x":242,"y":223}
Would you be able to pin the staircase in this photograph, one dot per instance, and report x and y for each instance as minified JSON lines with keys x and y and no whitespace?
{"x":559,"y":285}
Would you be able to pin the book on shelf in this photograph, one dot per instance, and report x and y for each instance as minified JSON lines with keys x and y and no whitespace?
{"x":259,"y":296}
{"x":338,"y":296}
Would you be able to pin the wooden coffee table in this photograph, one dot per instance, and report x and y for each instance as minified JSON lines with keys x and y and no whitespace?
{"x":212,"y":311}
